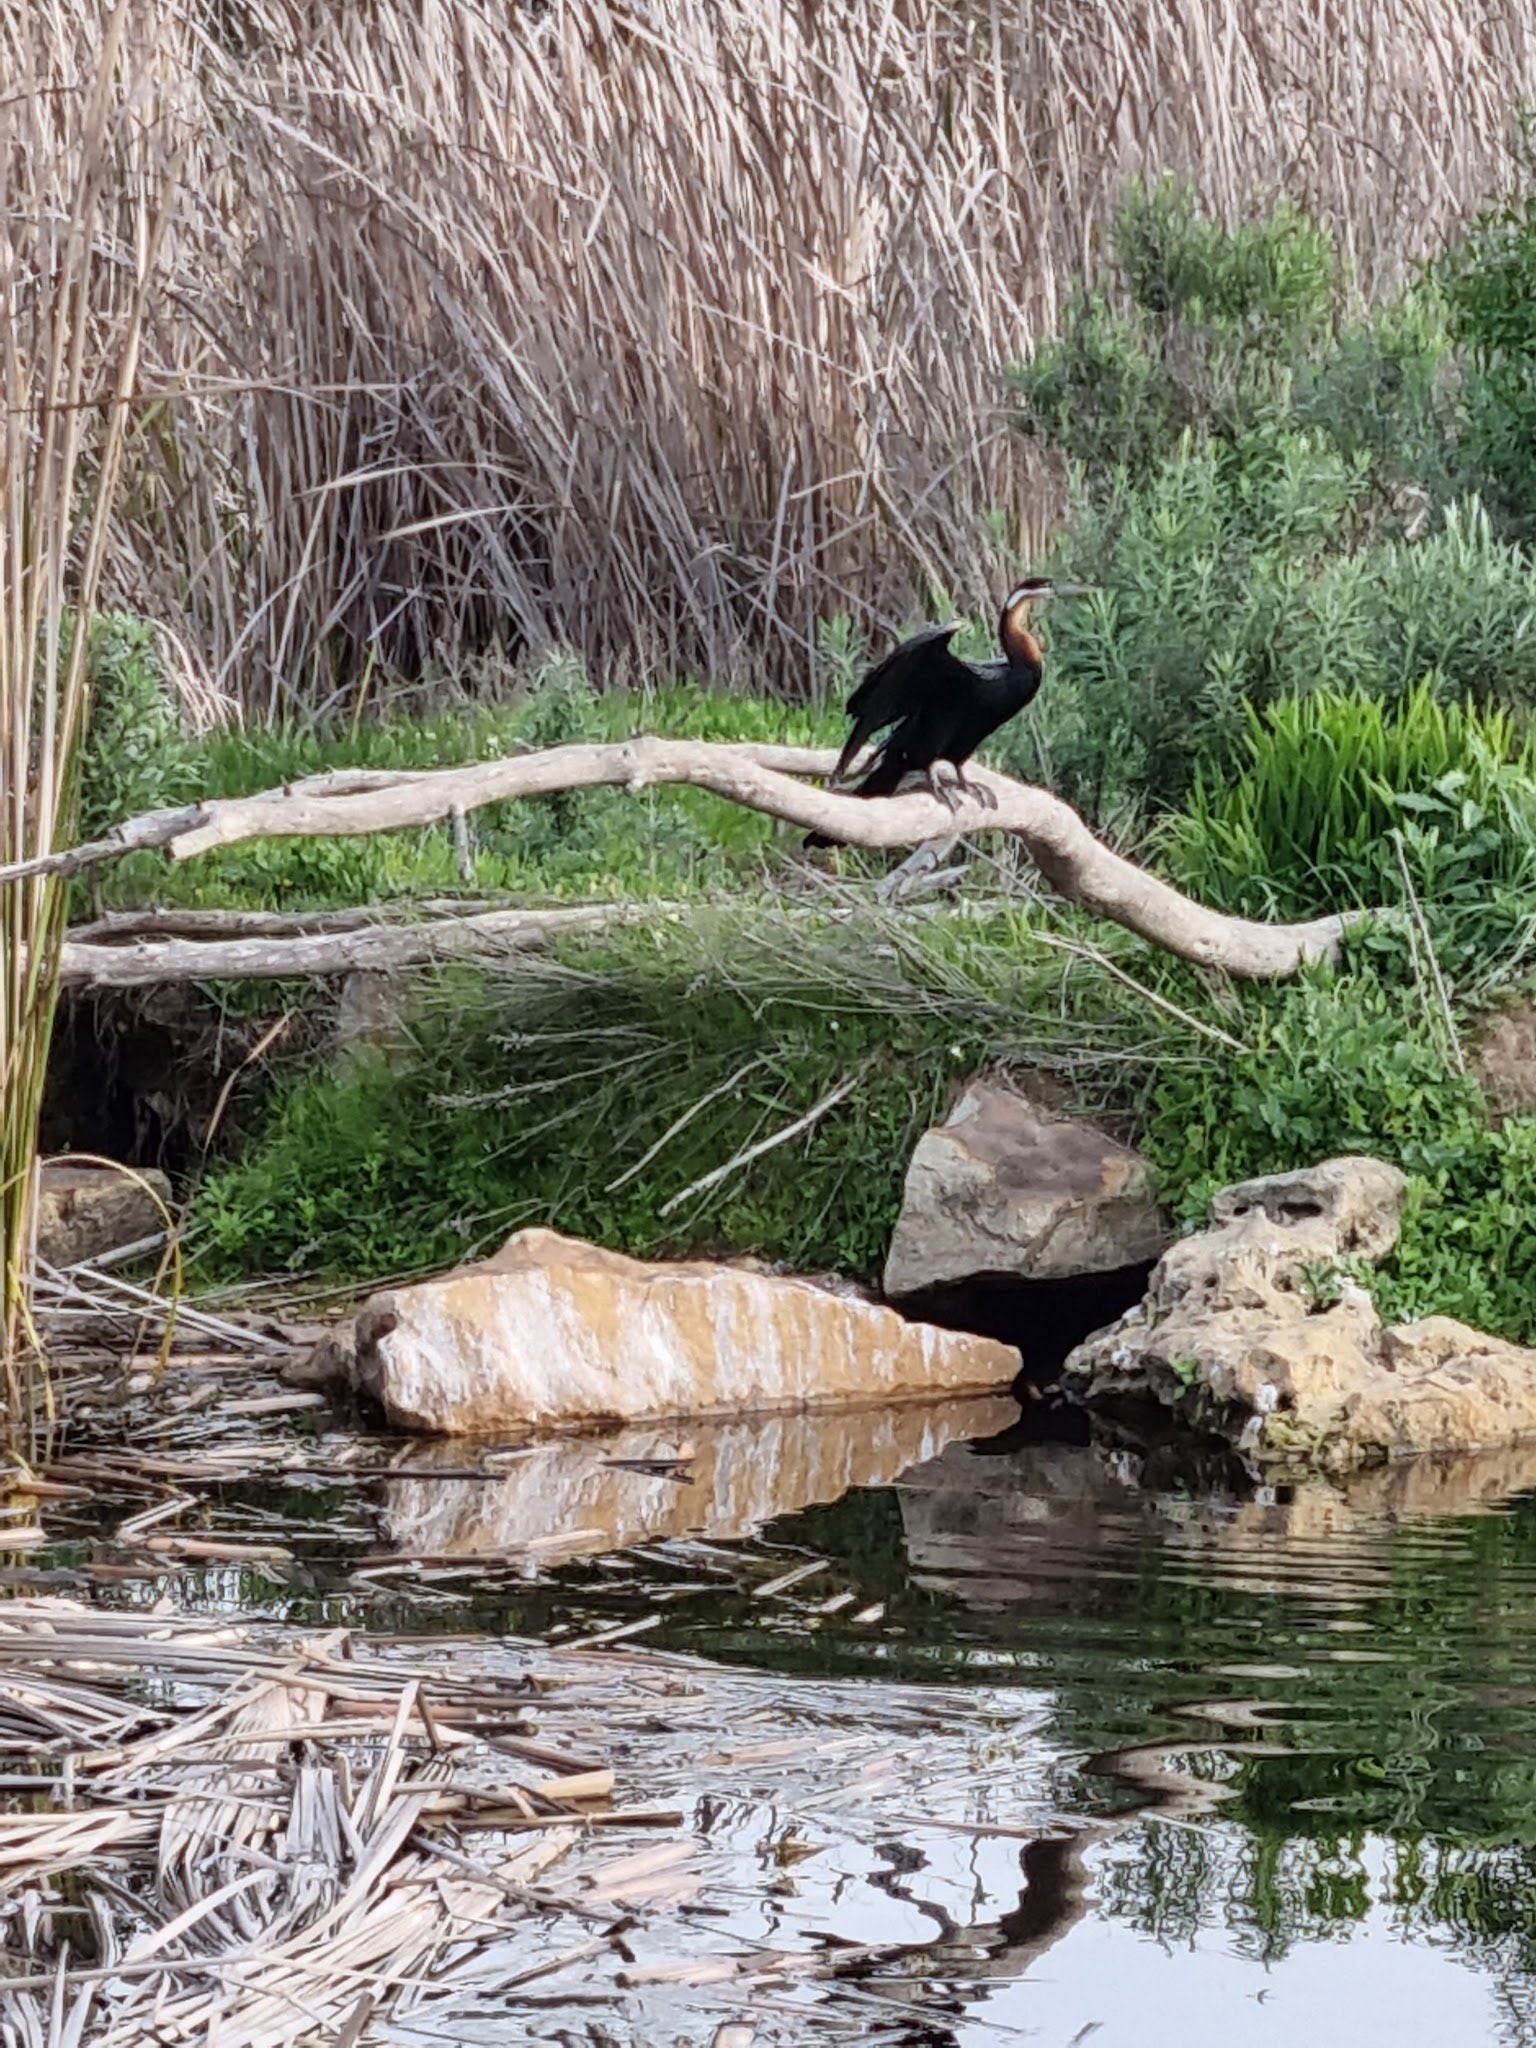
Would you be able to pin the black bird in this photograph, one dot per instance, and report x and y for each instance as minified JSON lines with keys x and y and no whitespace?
{"x":940,"y":708}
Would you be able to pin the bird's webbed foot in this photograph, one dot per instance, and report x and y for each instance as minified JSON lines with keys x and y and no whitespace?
{"x":946,"y":792}
{"x":977,"y":791}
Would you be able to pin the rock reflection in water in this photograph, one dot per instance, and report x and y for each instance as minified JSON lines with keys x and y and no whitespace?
{"x":1026,"y":1528}
{"x":569,"y":1498}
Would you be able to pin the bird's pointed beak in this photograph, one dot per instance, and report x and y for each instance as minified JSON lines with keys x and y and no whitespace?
{"x":1070,"y":590}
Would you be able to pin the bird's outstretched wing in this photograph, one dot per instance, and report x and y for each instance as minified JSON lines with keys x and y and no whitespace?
{"x":895,"y":687}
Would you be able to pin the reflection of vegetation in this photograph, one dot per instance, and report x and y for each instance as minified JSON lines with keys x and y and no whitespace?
{"x":1387,"y":1674}
{"x":1398,"y":1684}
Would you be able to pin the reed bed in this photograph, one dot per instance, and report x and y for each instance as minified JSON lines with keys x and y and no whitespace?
{"x":667,"y":332}
{"x":84,"y":172}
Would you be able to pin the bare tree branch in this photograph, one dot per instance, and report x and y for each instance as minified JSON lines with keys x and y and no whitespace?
{"x":1071,"y":859}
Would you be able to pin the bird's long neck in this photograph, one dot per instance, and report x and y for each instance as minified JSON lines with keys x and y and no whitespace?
{"x":1020,"y":647}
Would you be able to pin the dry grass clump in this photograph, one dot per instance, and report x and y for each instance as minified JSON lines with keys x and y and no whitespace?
{"x":665,"y":329}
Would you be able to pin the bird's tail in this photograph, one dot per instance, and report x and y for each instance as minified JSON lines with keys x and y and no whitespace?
{"x":882,"y":780}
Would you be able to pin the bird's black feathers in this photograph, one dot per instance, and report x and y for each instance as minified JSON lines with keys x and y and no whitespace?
{"x":934,"y":707}
{"x":893,"y":689}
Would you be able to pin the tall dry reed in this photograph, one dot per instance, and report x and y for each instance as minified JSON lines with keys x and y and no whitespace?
{"x":82,"y":162}
{"x":665,"y":328}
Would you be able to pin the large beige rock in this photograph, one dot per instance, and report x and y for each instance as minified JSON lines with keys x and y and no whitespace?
{"x":552,"y":1330}
{"x":84,"y":1211}
{"x":578,"y":1496}
{"x":1249,"y":1330}
{"x":1003,"y":1188}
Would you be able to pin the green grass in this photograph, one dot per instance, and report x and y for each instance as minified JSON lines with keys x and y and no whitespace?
{"x":535,"y":1096}
{"x":663,"y":843}
{"x":592,"y":1097}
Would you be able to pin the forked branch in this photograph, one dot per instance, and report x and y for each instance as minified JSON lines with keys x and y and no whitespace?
{"x":766,"y":779}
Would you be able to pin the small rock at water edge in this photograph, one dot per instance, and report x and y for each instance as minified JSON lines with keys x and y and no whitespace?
{"x":1003,"y":1188}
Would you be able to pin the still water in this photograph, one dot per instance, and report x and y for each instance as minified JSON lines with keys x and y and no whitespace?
{"x":1184,"y":1765}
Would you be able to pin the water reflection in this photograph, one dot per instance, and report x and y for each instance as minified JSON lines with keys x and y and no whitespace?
{"x":586,"y":1496}
{"x":1322,"y":1708}
{"x":1191,"y":1766}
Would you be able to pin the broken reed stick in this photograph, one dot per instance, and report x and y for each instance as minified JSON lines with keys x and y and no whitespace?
{"x":1077,"y":865}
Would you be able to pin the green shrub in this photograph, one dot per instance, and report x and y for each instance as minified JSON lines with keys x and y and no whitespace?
{"x":1386,"y":388}
{"x":1273,"y":496}
{"x":1276,"y":277}
{"x":1199,"y":332}
{"x":1489,"y":282}
{"x":136,"y":756}
{"x":1337,"y":791}
{"x":1228,"y":580}
{"x":1202,"y":568}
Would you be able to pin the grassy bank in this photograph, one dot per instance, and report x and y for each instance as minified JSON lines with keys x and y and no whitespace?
{"x":607,"y":1090}
{"x":1306,"y":683}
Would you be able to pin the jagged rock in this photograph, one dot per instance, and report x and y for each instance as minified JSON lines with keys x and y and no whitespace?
{"x":552,"y":1330}
{"x":1001,"y":1187}
{"x":84,"y":1211}
{"x":1248,"y":1330}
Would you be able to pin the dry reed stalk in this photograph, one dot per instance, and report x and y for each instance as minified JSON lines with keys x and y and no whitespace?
{"x":79,"y":221}
{"x":664,"y":329}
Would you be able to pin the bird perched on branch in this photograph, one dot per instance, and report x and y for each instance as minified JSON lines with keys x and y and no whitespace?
{"x":937,"y":709}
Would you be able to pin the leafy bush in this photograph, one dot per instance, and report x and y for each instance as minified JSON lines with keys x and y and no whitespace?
{"x":1386,"y":388}
{"x":1201,"y":567}
{"x":1276,"y":278}
{"x":1273,"y":496}
{"x":1489,"y":282}
{"x":1198,"y":335}
{"x":136,"y":755}
{"x":1228,"y":580}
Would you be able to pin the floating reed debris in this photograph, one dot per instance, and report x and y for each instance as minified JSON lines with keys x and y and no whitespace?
{"x":215,"y":1830}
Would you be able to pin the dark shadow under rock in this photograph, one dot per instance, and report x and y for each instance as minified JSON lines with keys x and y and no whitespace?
{"x":1042,"y":1319}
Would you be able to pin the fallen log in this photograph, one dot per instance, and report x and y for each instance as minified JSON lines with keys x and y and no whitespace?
{"x":1078,"y":865}
{"x":148,"y":959}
